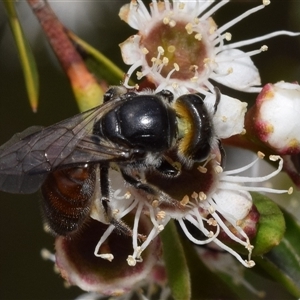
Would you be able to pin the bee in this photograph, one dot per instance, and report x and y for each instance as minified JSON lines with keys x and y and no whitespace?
{"x":70,"y":161}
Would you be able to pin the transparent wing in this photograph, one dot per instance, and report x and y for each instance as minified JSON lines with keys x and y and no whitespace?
{"x":27,"y":158}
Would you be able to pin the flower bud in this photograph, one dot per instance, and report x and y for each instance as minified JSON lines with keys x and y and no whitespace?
{"x":276,"y":117}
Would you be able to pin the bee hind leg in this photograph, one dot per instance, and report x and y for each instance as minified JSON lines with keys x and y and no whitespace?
{"x":120,"y":226}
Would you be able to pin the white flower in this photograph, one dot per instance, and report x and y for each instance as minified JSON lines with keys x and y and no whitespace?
{"x":211,"y":199}
{"x":228,"y":120}
{"x":276,"y":117}
{"x":179,"y":46}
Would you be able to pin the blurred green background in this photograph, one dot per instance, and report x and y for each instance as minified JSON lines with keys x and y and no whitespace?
{"x":23,"y":273}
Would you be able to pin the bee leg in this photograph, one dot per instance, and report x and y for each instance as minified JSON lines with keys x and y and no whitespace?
{"x":218,"y":99}
{"x":104,"y":187}
{"x":223,"y":154}
{"x":222,"y":150}
{"x":121,"y":227}
{"x":137,"y":183}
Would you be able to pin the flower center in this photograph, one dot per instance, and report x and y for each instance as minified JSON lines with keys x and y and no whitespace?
{"x":181,"y":45}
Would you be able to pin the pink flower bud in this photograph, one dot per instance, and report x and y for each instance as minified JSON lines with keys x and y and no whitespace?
{"x":276,"y":117}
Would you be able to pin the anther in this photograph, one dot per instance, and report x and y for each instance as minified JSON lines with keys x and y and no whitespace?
{"x":172,"y":23}
{"x":160,"y":215}
{"x":160,"y":49}
{"x":194,"y":195}
{"x":127,"y":195}
{"x":202,"y":196}
{"x":155,"y":203}
{"x":165,"y":61}
{"x":145,"y":51}
{"x":189,"y":28}
{"x":166,"y":20}
{"x":274,"y":157}
{"x":212,"y":222}
{"x":228,"y":36}
{"x":218,"y":169}
{"x":107,"y":256}
{"x":185,"y":200}
{"x":260,"y":155}
{"x":264,"y":48}
{"x":139,"y":75}
{"x":250,"y":263}
{"x":202,"y":169}
{"x":198,"y":36}
{"x":196,"y":21}
{"x":211,"y":209}
{"x":131,"y":261}
{"x":160,"y":227}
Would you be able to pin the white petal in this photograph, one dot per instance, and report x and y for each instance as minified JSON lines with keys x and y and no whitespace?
{"x":229,"y":117}
{"x":130,"y":50}
{"x":235,"y":203}
{"x":237,"y":69}
{"x":135,"y":14}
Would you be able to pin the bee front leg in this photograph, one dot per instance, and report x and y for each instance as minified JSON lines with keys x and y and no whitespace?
{"x":105,"y":200}
{"x":136,"y":183}
{"x":104,"y":188}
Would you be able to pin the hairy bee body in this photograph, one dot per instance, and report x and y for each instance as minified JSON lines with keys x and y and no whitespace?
{"x":131,"y":130}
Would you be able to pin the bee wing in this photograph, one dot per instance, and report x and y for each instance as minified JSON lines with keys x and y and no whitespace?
{"x":27,"y":158}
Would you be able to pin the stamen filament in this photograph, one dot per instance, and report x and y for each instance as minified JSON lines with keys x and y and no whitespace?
{"x":253,"y":179}
{"x":230,"y":186}
{"x":248,"y":264}
{"x":136,"y":225}
{"x":239,"y":18}
{"x":214,"y":9}
{"x":259,"y":39}
{"x":103,"y":238}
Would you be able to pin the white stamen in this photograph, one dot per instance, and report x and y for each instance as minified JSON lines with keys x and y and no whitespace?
{"x":214,"y":9}
{"x":255,"y":179}
{"x":239,"y":18}
{"x":259,"y":39}
{"x":103,"y":238}
{"x":136,"y":224}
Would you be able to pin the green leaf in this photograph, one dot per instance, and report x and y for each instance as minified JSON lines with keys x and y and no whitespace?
{"x":99,"y":64}
{"x":282,"y":263}
{"x":271,"y":225}
{"x":206,"y":284}
{"x":25,"y":54}
{"x":176,"y":265}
